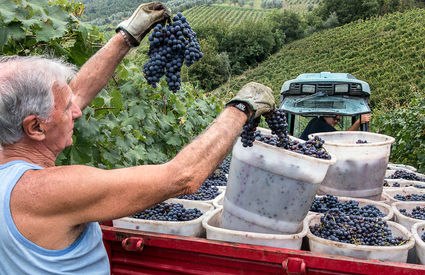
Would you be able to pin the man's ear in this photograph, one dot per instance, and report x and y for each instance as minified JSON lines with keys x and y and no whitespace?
{"x":33,"y":128}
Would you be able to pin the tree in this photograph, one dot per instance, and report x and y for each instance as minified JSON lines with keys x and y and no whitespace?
{"x":212,"y":70}
{"x":288,"y":22}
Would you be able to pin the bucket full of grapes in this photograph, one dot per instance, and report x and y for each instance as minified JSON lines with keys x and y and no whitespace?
{"x":270,"y":189}
{"x":362,"y":159}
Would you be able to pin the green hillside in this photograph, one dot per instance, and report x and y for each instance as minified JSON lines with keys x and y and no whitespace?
{"x":205,"y":14}
{"x":386,"y":52}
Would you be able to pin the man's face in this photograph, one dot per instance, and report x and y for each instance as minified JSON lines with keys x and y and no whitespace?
{"x":333,"y":121}
{"x":59,"y":126}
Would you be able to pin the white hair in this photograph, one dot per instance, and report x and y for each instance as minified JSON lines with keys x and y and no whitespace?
{"x":26,"y":89}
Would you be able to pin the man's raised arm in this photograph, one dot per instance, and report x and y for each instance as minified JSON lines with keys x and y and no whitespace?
{"x":96,"y":72}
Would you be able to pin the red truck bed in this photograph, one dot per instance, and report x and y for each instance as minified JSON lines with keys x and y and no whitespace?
{"x":137,"y":252}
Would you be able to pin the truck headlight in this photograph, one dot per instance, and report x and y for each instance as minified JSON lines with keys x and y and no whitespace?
{"x":309,"y":89}
{"x":341,"y":88}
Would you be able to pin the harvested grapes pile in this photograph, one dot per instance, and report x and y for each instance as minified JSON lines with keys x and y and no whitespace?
{"x":351,"y":207}
{"x":208,"y":190}
{"x":403,"y":174}
{"x":396,"y":184}
{"x":416,"y":213}
{"x":165,"y":211}
{"x":336,"y":226}
{"x":218,"y":177}
{"x":279,"y":138}
{"x":204,"y":193}
{"x":411,"y":197}
{"x":171,"y":45}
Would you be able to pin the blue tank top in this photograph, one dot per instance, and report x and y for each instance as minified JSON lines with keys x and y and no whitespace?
{"x":18,"y":255}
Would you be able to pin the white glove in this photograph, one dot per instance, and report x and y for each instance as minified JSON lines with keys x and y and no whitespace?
{"x":258,"y":96}
{"x":143,"y":20}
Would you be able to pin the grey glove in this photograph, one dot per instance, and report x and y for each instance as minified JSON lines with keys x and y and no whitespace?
{"x":143,"y":20}
{"x":257,"y":96}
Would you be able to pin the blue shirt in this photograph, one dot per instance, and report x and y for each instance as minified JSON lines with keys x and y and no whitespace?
{"x":18,"y":255}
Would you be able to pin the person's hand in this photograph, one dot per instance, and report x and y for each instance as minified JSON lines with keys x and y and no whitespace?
{"x":257,"y":96}
{"x":365,"y":118}
{"x":144,"y":19}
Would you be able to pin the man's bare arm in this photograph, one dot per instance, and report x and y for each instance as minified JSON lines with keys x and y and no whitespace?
{"x":79,"y":194}
{"x":96,"y":72}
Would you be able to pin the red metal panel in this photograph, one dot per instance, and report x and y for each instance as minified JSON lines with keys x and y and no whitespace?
{"x":170,"y":254}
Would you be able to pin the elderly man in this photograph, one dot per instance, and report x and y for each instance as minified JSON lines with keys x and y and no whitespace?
{"x":49,"y":214}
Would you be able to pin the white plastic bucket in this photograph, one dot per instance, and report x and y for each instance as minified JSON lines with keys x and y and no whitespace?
{"x":183,"y":228}
{"x":383,"y":253}
{"x":389,"y":173}
{"x":215,"y":231}
{"x":270,"y":189}
{"x":418,"y":229}
{"x":390,"y":192}
{"x":359,"y":170}
{"x":404,"y":183}
{"x":406,"y":221}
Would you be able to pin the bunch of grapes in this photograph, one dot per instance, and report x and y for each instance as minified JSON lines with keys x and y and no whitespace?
{"x":165,"y":211}
{"x":416,"y":213}
{"x":248,"y":132}
{"x":339,"y":227}
{"x":279,"y":127}
{"x":170,"y":46}
{"x":351,"y":207}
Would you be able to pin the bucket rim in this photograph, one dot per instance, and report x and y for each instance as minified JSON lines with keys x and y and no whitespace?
{"x":387,"y":142}
{"x":297,"y":155}
{"x":247,"y":234}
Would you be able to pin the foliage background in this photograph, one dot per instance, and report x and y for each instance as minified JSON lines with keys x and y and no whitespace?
{"x":130,"y":123}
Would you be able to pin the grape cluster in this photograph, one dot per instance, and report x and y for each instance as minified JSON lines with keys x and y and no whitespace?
{"x":279,"y":128}
{"x":336,"y":226}
{"x":165,"y":211}
{"x":359,"y":141}
{"x":248,"y":132}
{"x":351,"y":207}
{"x":423,"y":237}
{"x":403,"y":174}
{"x":411,"y":197}
{"x":170,"y":46}
{"x":417,"y":213}
{"x":204,"y":193}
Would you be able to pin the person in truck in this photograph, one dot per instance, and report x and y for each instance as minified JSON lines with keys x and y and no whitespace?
{"x":50,"y":214}
{"x":327,"y":124}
